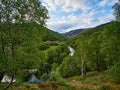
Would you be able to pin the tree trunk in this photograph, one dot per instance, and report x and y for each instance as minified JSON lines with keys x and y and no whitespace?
{"x":14,"y":70}
{"x":1,"y":75}
{"x":82,"y":68}
{"x":7,"y":86}
{"x":82,"y":62}
{"x":4,"y":55}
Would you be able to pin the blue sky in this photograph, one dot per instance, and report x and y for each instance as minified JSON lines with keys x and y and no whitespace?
{"x":66,"y":15}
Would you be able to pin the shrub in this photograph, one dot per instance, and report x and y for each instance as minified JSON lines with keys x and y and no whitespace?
{"x":104,"y":87}
{"x":44,"y":77}
{"x":55,"y":75}
{"x":115,"y":73}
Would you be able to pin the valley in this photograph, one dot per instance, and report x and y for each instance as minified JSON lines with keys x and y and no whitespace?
{"x":35,"y":57}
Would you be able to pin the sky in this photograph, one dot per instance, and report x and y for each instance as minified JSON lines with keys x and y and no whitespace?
{"x":66,"y":15}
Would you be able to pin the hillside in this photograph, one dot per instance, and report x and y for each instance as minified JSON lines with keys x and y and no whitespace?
{"x":44,"y":33}
{"x":47,"y":34}
{"x":88,"y":32}
{"x":96,"y":48}
{"x":73,"y":32}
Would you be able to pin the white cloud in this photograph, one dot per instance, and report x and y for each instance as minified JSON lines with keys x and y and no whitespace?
{"x":113,"y":2}
{"x":103,"y":3}
{"x":50,"y":4}
{"x":106,"y":18}
{"x":64,"y":24}
{"x":72,"y":22}
{"x":74,"y":5}
{"x":107,"y":2}
{"x":94,"y":12}
{"x":59,"y":2}
{"x":66,"y":15}
{"x":67,"y":5}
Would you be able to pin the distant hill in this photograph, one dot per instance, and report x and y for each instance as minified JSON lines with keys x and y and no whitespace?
{"x":90,"y":31}
{"x":43,"y":33}
{"x":73,"y":32}
{"x":49,"y":35}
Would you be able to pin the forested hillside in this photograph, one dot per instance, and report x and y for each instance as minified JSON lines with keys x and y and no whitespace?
{"x":98,"y":49}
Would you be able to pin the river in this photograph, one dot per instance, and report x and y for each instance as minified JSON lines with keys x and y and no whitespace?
{"x":72,"y":51}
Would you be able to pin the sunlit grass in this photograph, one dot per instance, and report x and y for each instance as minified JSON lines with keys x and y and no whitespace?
{"x":93,"y":81}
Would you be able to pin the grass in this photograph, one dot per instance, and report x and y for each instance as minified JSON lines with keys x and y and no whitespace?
{"x":92,"y":81}
{"x":38,"y":86}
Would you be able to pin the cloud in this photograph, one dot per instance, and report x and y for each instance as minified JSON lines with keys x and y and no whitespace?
{"x":103,"y":3}
{"x":62,"y":25}
{"x":50,"y":4}
{"x":113,"y":2}
{"x":107,"y":2}
{"x":66,"y":15}
{"x":72,"y":22}
{"x":106,"y":18}
{"x":74,"y":5}
{"x":67,"y":5}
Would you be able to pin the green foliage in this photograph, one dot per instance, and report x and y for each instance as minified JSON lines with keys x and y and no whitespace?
{"x":18,"y":37}
{"x":116,"y":8}
{"x":54,"y":53}
{"x":111,"y":46}
{"x":69,"y":67}
{"x":43,"y":46}
{"x":49,"y":35}
{"x":44,"y":77}
{"x":104,"y":87}
{"x":56,"y":76}
{"x":101,"y":46}
{"x":115,"y":72}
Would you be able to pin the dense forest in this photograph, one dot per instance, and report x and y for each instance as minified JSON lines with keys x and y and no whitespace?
{"x":26,"y":44}
{"x":98,"y":48}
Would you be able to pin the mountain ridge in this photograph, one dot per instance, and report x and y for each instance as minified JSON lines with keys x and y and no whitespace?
{"x":74,"y":32}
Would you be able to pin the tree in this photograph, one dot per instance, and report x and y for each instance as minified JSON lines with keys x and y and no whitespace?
{"x":14,"y":14}
{"x":82,"y":54}
{"x":68,"y":67}
{"x":116,"y":8}
{"x":111,"y":44}
{"x":96,"y":47}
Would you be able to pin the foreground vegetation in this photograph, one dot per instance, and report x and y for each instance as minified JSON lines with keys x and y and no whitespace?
{"x":39,"y":86}
{"x":92,"y":81}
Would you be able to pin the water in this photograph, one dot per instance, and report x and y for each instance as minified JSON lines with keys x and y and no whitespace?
{"x":72,"y":51}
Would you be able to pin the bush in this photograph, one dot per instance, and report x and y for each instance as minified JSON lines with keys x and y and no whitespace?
{"x":43,"y":46}
{"x":44,"y":77}
{"x":56,"y":76}
{"x":115,"y":73}
{"x":104,"y":87}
